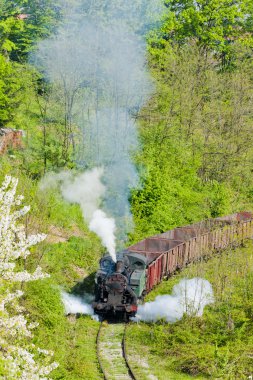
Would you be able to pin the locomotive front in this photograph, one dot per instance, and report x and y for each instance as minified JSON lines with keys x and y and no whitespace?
{"x":113,"y":294}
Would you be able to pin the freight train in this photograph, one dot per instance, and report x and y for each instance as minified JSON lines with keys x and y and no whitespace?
{"x":120,"y":286}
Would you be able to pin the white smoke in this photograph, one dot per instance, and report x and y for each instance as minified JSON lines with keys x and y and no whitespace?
{"x":75,"y":305}
{"x":189,"y":296}
{"x":97,"y":65}
{"x":104,"y":227}
{"x":87,"y":190}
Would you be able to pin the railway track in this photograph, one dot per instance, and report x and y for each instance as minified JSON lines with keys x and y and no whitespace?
{"x":111,"y":352}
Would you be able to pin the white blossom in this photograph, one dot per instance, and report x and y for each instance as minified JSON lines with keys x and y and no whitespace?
{"x":22,"y":359}
{"x":10,"y":297}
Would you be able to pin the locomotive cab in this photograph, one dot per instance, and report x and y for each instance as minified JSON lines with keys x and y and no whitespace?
{"x":137,"y":267}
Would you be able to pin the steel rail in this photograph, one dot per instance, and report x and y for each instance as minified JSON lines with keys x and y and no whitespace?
{"x":128,"y":368}
{"x":124,"y":351}
{"x":98,"y":353}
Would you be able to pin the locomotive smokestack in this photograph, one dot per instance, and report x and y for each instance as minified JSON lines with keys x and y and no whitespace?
{"x":120,"y":267}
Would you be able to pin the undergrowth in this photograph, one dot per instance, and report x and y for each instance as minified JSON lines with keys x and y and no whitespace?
{"x":218,"y":345}
{"x":70,"y":255}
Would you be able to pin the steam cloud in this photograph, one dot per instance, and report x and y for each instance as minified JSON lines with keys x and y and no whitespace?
{"x":86,"y":189}
{"x":74,"y":304}
{"x":104,"y":227}
{"x":189,"y":296}
{"x":98,"y":67}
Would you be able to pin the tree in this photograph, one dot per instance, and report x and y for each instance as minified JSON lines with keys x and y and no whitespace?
{"x":214,"y":24}
{"x":11,"y":84}
{"x":19,"y":358}
{"x":23,"y":23}
{"x":12,"y":28}
{"x":196,"y":137}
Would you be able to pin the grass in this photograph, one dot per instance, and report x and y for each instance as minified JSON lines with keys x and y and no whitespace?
{"x":70,"y":263}
{"x":73,"y":340}
{"x":218,"y":345}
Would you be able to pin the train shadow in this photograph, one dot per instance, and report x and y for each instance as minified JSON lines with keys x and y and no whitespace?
{"x":84,"y":287}
{"x":114,"y":320}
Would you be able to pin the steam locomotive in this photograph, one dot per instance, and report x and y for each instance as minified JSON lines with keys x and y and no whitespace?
{"x":119,"y":286}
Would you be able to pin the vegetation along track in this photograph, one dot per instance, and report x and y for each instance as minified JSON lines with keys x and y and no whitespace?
{"x":111,"y":352}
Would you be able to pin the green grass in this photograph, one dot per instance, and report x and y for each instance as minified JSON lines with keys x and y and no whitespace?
{"x":68,"y":263}
{"x":218,"y":345}
{"x":72,"y":340}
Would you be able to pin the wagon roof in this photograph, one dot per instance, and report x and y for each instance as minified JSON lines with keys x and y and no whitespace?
{"x":153,"y":247}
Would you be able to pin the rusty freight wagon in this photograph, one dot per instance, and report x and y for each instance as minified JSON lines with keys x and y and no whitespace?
{"x":143,"y":265}
{"x":10,"y":138}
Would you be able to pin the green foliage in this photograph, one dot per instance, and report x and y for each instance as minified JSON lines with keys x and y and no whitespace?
{"x":9,"y":26}
{"x":214,"y":24}
{"x":24,"y":22}
{"x":196,"y":160}
{"x":10,"y":89}
{"x":72,"y":340}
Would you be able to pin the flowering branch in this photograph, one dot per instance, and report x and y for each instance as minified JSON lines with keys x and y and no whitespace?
{"x":22,"y":361}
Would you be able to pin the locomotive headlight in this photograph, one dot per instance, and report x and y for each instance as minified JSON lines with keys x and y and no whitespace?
{"x":131,"y":308}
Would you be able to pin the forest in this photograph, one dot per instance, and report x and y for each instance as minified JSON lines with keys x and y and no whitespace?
{"x":166,"y":109}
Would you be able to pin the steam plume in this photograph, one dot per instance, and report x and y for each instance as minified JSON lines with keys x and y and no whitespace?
{"x":86,"y":189}
{"x":104,"y":227}
{"x":189,"y":296}
{"x":98,"y":67}
{"x":74,"y":304}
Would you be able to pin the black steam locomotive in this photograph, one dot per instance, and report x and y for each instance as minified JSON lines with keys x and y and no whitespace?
{"x":119,"y":285}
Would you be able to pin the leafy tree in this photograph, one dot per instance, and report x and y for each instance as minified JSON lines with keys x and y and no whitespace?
{"x":23,"y":23}
{"x":41,"y":20}
{"x":10,"y":26}
{"x":11,"y":84}
{"x":214,"y":24}
{"x":197,"y":139}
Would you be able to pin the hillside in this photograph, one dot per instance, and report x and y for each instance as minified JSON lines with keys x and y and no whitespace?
{"x":156,"y":99}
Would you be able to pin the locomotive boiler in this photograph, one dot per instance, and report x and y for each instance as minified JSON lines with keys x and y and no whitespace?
{"x":119,"y":286}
